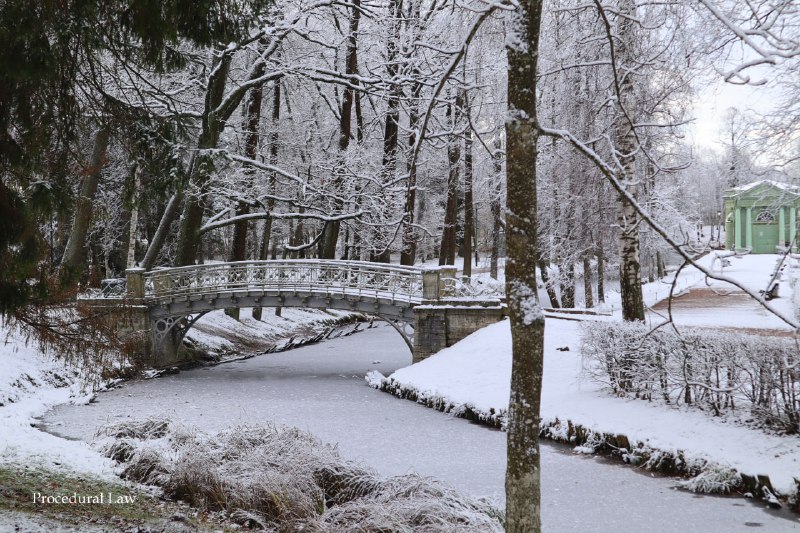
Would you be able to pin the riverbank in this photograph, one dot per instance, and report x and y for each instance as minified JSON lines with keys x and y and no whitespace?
{"x":472,"y":379}
{"x":320,"y":389}
{"x":32,"y":383}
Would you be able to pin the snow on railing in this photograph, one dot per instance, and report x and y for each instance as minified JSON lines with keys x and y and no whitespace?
{"x":477,"y":287}
{"x":329,"y":277}
{"x":109,"y":288}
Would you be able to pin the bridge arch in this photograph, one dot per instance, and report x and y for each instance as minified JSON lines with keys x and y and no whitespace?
{"x":183,"y":314}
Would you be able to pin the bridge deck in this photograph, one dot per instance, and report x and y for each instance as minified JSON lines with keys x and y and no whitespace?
{"x":334,"y":279}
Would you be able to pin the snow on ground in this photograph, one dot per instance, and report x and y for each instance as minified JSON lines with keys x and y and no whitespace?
{"x":714,"y":303}
{"x":476,"y":372}
{"x":30,"y":384}
{"x":651,"y":292}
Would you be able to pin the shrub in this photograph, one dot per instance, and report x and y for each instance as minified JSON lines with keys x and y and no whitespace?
{"x":718,"y":371}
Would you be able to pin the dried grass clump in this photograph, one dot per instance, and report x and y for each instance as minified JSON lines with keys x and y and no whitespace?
{"x":286,"y":480}
{"x":413,"y":504}
{"x":147,"y":465}
{"x":252,"y":482}
{"x":150,"y":428}
{"x":344,"y":482}
{"x":121,"y":450}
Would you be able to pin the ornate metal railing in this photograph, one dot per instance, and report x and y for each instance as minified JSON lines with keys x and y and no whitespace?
{"x":476,"y":288}
{"x":113,"y":288}
{"x":398,"y":283}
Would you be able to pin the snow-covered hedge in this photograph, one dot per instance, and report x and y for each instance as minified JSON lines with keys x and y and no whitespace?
{"x":718,"y":371}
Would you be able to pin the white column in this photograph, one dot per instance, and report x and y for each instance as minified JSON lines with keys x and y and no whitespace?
{"x":748,"y":230}
{"x":737,"y":227}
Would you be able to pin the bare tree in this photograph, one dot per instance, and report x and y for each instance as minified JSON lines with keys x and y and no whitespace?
{"x":74,"y":255}
{"x":523,"y":477}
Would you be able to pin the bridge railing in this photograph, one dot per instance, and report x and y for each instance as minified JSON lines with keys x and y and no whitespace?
{"x":330,"y":277}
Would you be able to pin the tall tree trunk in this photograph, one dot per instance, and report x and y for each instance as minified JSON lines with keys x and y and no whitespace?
{"x":297,"y":238}
{"x":523,"y":477}
{"x":240,"y":228}
{"x":469,"y":213}
{"x":447,"y":250}
{"x":72,"y":262}
{"x":630,"y":278}
{"x":390,"y":133}
{"x":409,"y":252}
{"x":130,"y":262}
{"x":409,"y":244}
{"x":198,"y":174}
{"x":548,"y":283}
{"x":274,"y":137}
{"x":160,"y":236}
{"x":202,"y":165}
{"x":568,"y":284}
{"x":588,"y":301}
{"x":331,"y":236}
{"x":601,"y":275}
{"x":495,"y":207}
{"x":359,"y":118}
{"x":263,"y":251}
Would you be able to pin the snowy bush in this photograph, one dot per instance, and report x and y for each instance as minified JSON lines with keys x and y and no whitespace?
{"x":712,"y":370}
{"x":715,"y":479}
{"x":284,"y":479}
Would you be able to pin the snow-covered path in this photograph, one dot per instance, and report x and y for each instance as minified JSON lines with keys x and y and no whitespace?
{"x":713,"y":303}
{"x":321,"y":388}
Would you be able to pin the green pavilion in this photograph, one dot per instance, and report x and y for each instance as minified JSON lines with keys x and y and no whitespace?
{"x":761,"y":216}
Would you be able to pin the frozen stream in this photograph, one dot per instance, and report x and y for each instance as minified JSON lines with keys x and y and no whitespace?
{"x":321,"y":388}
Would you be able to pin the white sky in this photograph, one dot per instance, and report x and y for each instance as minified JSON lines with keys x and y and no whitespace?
{"x":714,"y":97}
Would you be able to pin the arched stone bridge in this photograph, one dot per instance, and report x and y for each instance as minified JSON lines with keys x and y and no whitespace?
{"x":419,"y":303}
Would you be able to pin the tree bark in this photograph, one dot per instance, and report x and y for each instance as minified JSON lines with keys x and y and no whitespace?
{"x":160,"y":236}
{"x":390,"y":134}
{"x":630,"y":278}
{"x":495,"y":208}
{"x":568,"y":284}
{"x":588,"y":300}
{"x":240,"y":228}
{"x":601,"y":275}
{"x":72,"y":263}
{"x":134,"y":219}
{"x":548,"y":285}
{"x":469,"y":213}
{"x":662,"y":271}
{"x":523,"y":478}
{"x":409,"y":252}
{"x":447,"y":250}
{"x":201,"y":166}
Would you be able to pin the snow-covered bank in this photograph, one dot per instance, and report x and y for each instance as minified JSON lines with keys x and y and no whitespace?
{"x":30,"y":384}
{"x":473,"y":377}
